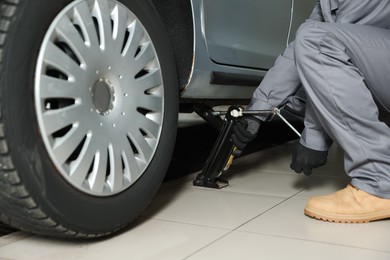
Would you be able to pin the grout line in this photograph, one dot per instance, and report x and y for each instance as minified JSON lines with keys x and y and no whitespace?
{"x":184,"y":223}
{"x":236,"y":229}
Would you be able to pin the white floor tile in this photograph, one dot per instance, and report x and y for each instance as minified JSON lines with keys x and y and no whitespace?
{"x":268,"y":183}
{"x":251,"y":219}
{"x":207,"y":207}
{"x":151,"y":239}
{"x":288,"y":220}
{"x":241,"y":245}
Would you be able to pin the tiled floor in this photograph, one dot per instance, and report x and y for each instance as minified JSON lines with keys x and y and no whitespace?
{"x":259,"y":216}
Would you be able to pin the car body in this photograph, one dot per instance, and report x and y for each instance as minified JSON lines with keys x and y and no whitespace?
{"x":91,"y":89}
{"x":234,"y":44}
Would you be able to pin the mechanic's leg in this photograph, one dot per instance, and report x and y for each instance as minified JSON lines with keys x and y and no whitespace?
{"x":282,"y":85}
{"x":338,"y":64}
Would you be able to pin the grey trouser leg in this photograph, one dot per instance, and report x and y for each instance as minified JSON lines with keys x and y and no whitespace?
{"x":343,"y":68}
{"x":282,"y":84}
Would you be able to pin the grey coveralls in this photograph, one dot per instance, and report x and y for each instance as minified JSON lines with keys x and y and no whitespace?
{"x":341,"y":56}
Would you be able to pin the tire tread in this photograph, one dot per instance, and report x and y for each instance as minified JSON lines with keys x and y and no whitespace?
{"x":18,"y":208}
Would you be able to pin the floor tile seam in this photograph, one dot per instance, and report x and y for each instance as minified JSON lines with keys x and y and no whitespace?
{"x":228,"y":231}
{"x":313,"y":241}
{"x":263,"y":212}
{"x":187,"y":223}
{"x":235,"y":229}
{"x":208,"y":245}
{"x":308,"y":187}
{"x":269,"y":209}
{"x":284,"y":199}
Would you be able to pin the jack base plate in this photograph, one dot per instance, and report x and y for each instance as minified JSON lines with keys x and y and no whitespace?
{"x":216,"y":183}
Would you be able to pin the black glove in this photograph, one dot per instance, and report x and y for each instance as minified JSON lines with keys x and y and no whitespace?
{"x":305,"y":159}
{"x":244,"y":131}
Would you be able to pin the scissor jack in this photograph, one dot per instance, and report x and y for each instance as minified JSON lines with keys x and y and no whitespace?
{"x":222,"y":154}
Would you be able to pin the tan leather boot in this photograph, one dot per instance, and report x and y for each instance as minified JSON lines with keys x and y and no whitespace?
{"x":349,"y":205}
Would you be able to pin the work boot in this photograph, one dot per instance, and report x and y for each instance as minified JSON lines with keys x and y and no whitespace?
{"x":349,"y":205}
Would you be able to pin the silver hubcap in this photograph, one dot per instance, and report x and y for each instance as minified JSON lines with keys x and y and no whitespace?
{"x":99,"y":96}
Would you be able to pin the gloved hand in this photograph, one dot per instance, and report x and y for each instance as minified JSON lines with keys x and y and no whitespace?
{"x":244,"y":131}
{"x":305,"y":159}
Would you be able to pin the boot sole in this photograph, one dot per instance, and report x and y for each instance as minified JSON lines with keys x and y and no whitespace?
{"x":338,"y":218}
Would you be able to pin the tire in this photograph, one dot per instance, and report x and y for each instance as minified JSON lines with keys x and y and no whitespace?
{"x":88,"y":114}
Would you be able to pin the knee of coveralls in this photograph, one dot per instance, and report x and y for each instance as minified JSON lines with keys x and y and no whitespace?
{"x":307,"y":40}
{"x":342,"y":42}
{"x":315,"y":39}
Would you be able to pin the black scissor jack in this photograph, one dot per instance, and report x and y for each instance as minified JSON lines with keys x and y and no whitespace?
{"x":222,"y":154}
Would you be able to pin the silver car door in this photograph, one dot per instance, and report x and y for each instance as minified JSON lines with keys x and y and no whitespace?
{"x":246,"y":33}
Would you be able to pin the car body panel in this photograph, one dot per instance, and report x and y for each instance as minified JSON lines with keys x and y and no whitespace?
{"x":209,"y":53}
{"x":200,"y":84}
{"x":238,"y":33}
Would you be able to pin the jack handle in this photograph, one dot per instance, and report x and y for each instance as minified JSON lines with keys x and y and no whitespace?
{"x":274,"y":112}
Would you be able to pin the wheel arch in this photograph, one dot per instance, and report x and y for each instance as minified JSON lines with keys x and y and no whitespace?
{"x":177,"y":18}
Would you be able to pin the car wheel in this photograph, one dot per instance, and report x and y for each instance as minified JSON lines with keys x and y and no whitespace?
{"x":88,"y":113}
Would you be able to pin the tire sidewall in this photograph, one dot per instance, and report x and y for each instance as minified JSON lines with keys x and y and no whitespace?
{"x":56,"y":197}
